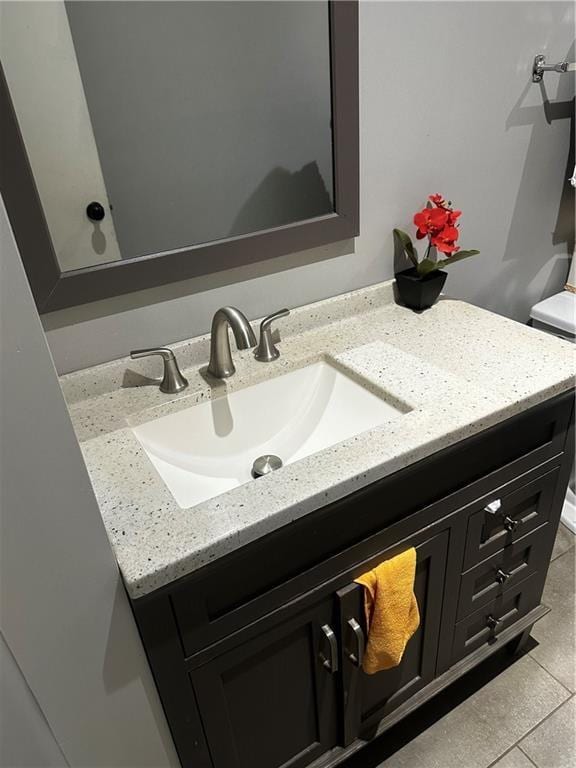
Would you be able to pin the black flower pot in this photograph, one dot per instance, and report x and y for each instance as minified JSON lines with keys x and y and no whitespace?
{"x":419,"y":292}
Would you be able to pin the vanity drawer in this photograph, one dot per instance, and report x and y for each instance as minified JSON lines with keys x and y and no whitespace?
{"x":484,"y":625}
{"x":494,"y":576}
{"x":508,"y":517}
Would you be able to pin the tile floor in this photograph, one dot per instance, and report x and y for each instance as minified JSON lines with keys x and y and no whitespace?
{"x":508,"y":713}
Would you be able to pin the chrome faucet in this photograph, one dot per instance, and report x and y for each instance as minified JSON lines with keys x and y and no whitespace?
{"x":172,"y":380}
{"x":221,"y":365}
{"x":266,"y":351}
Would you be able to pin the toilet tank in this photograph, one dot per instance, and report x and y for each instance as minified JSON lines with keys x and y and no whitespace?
{"x":556,"y":315}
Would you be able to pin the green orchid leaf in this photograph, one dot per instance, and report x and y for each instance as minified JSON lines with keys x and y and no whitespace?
{"x":426,"y":266}
{"x":405,"y":244}
{"x":455,"y":257}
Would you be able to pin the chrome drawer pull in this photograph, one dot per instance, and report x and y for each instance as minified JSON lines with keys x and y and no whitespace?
{"x":494,"y":507}
{"x":355,"y":649}
{"x":492,"y":622}
{"x":502,"y":576}
{"x":510,"y":524}
{"x":329,"y":661}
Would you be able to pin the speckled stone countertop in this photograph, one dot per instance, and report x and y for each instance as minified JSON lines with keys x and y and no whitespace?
{"x":459,"y":370}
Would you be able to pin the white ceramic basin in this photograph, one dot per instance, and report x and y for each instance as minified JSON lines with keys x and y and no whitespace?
{"x":209,"y":448}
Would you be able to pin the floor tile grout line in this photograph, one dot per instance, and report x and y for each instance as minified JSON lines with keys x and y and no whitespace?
{"x":551,"y":675}
{"x":548,"y":716}
{"x":559,"y":554}
{"x":558,"y":557}
{"x":528,"y":757}
{"x":524,"y":736}
{"x":504,"y":754}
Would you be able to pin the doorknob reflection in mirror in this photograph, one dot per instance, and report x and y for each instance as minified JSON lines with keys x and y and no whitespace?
{"x":95,"y":211}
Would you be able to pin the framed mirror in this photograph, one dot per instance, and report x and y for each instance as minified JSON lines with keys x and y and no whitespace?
{"x":149,"y":142}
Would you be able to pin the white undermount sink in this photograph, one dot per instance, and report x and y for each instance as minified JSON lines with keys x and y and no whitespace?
{"x":210,"y":448}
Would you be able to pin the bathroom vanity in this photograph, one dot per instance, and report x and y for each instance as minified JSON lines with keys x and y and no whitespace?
{"x":246,"y":602}
{"x":255,"y":656}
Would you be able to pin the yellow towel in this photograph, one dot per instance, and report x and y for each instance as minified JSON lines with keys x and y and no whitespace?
{"x":392,"y":614}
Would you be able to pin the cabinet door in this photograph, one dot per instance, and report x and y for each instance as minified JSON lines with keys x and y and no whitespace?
{"x":270,"y":702}
{"x":369,"y":698}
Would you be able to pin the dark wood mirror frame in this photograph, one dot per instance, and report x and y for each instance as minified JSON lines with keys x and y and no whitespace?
{"x":54,"y":289}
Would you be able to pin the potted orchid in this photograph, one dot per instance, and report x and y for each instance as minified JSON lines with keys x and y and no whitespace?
{"x":420,"y":286}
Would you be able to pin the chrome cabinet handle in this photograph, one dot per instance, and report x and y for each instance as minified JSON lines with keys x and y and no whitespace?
{"x":266,"y":351}
{"x":502,"y":576}
{"x":494,"y":507}
{"x":329,"y":660}
{"x":354,"y":643}
{"x":492,"y":622}
{"x":172,"y":381}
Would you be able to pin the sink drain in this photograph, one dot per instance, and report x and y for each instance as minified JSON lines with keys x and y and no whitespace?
{"x":263,"y":465}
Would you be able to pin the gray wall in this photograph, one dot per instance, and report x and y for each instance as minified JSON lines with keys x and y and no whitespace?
{"x":64,"y":614}
{"x":446,"y":105}
{"x":211,"y":119}
{"x":26,"y":740}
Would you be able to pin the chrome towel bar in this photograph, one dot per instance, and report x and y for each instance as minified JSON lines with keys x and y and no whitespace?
{"x":540,"y":66}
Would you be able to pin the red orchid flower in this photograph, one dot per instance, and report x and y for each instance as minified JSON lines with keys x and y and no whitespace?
{"x":445,"y":241}
{"x":438,"y":200}
{"x":453,"y":216}
{"x":430,"y":221}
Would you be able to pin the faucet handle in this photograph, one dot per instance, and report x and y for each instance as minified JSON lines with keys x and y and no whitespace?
{"x":266,"y":351}
{"x":173,"y":381}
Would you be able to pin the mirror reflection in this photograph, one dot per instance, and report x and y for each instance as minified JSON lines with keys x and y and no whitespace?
{"x":170,"y":124}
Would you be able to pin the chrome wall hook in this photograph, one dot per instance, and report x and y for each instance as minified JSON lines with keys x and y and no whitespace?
{"x":539,"y":67}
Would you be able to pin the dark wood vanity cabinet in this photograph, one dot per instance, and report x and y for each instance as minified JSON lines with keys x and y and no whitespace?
{"x":288,"y":685}
{"x":277,"y":691}
{"x":257,"y":656}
